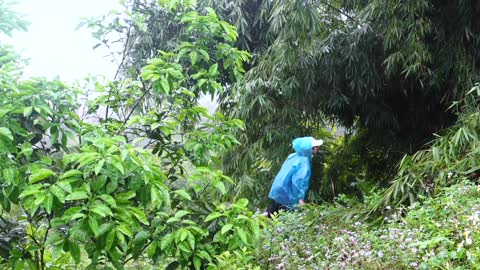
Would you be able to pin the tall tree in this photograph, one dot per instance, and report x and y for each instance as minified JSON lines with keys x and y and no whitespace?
{"x":389,"y":68}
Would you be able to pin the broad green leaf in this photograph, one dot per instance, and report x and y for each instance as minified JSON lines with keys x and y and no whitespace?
{"x":201,"y":82}
{"x":183,"y":234}
{"x":58,"y":192}
{"x":27,"y":149}
{"x":20,"y":265}
{"x":46,"y":160}
{"x":165,"y":85}
{"x":125,"y":196}
{"x":213,"y":216}
{"x":203,"y":254}
{"x":242,"y":203}
{"x":71,"y":212}
{"x":39,"y":174}
{"x":122,"y":241}
{"x":197,"y":263}
{"x":140,"y":237}
{"x":204,"y":54}
{"x":242,"y":217}
{"x":194,"y":57}
{"x":181,"y":213}
{"x":213,"y":70}
{"x":99,"y":182}
{"x":6,"y":133}
{"x":48,"y":203}
{"x":30,"y":190}
{"x":108,"y":199}
{"x":93,"y":224}
{"x":102,"y":210}
{"x":226,"y":228}
{"x":9,"y":175}
{"x":99,"y":166}
{"x":116,"y":257}
{"x":152,"y":249}
{"x":71,"y":173}
{"x":75,"y":252}
{"x":189,"y":222}
{"x":182,"y":193}
{"x":77,"y":195}
{"x":105,"y":227}
{"x":221,"y":187}
{"x":184,"y":247}
{"x":110,"y":239}
{"x":173,"y":219}
{"x":118,"y":166}
{"x":191,"y":240}
{"x":5,"y":109}
{"x":188,"y":93}
{"x":39,"y":199}
{"x":125,"y":229}
{"x":242,"y":234}
{"x":112,"y":185}
{"x":65,"y":185}
{"x":154,"y":197}
{"x":139,"y":214}
{"x":166,"y":241}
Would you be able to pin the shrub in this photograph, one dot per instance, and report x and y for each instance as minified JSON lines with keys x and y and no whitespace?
{"x":440,"y":233}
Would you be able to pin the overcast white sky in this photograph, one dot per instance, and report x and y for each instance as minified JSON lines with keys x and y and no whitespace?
{"x":55,"y":48}
{"x":53,"y":45}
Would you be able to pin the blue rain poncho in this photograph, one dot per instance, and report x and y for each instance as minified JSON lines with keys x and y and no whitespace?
{"x":291,"y":182}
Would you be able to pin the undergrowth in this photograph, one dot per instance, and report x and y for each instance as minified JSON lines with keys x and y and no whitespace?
{"x":440,"y":233}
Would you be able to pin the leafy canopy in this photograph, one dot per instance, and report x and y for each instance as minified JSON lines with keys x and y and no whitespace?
{"x":131,"y":173}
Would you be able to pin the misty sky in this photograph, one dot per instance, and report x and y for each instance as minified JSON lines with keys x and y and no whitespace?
{"x":52,"y":44}
{"x":55,"y":48}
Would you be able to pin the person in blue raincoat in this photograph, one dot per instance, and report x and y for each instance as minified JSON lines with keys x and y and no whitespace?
{"x":291,"y":183}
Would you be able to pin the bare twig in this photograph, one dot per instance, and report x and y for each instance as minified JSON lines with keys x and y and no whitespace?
{"x":120,"y":65}
{"x":143,"y":249}
{"x":145,"y":92}
{"x":340,"y":11}
{"x":42,"y":249}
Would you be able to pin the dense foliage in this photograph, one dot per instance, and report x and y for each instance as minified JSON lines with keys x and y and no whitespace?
{"x":138,"y":178}
{"x":388,"y":70}
{"x":133,"y":173}
{"x":440,"y":233}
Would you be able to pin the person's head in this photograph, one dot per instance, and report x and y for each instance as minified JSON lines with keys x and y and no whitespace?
{"x":315,"y":145}
{"x":306,"y":146}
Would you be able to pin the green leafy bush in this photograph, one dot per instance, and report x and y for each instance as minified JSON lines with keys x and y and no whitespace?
{"x":452,"y":153}
{"x":440,"y":233}
{"x":141,"y":181}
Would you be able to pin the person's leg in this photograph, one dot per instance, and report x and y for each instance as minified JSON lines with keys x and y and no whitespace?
{"x":274,"y":207}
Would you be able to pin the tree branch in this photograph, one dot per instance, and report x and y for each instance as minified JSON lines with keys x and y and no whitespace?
{"x":340,"y":11}
{"x":124,"y":56}
{"x":145,"y":92}
{"x":143,"y":249}
{"x":42,"y":249}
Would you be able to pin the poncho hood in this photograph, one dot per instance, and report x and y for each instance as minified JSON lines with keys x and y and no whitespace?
{"x":303,"y":146}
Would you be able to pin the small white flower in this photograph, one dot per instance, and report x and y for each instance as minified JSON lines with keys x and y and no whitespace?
{"x":339,"y":239}
{"x":468,"y":241}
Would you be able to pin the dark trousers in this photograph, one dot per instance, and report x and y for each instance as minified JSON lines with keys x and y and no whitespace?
{"x":275,"y":207}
